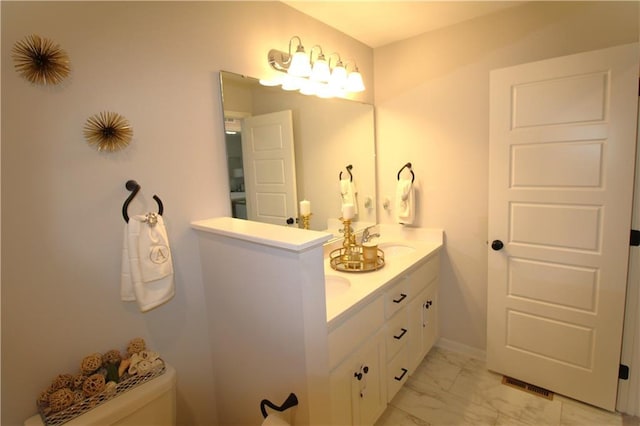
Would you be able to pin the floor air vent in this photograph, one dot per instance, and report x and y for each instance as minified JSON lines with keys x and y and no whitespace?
{"x":524,"y":386}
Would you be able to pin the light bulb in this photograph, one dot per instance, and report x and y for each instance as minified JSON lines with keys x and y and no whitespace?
{"x":291,"y":83}
{"x":300,"y":66}
{"x":338,"y":76}
{"x":354,"y":82}
{"x":320,"y":71}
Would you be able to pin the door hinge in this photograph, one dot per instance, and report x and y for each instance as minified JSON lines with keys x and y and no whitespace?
{"x":635,"y":238}
{"x":623,"y":372}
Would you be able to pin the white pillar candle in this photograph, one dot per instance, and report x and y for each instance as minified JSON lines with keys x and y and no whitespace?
{"x":348,"y":211}
{"x":305,"y":208}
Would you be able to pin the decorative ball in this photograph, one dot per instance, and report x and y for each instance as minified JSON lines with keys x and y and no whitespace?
{"x":93,"y":385}
{"x":61,"y":399}
{"x":78,"y":396}
{"x":91,"y":363}
{"x":62,"y":381}
{"x":43,"y":399}
{"x":136,"y":345}
{"x":78,"y":380}
{"x":111,"y":357}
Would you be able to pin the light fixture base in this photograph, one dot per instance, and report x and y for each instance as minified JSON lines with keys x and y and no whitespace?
{"x":279,"y":60}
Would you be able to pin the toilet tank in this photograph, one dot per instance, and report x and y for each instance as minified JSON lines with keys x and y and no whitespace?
{"x":151,"y":403}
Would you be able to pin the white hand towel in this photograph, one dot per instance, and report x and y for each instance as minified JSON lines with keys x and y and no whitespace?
{"x":147,"y":266}
{"x":349,"y":193}
{"x":405,"y":205}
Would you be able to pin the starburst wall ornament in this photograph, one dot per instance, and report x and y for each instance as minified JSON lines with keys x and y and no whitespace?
{"x":108,"y":131}
{"x":40,"y":60}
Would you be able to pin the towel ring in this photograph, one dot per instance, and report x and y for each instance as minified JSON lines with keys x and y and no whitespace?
{"x":407,"y":166}
{"x":133,"y":186}
{"x":349,"y":167}
{"x":291,"y":401}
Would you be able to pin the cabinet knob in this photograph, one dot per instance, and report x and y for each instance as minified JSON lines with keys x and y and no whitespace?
{"x":365,"y":369}
{"x":428,"y":304}
{"x":357,"y":375}
{"x":497,"y":245}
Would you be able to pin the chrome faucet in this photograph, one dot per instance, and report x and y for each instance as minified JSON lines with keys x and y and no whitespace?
{"x":366,"y":236}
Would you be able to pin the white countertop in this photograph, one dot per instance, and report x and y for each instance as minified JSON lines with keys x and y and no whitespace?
{"x":365,"y":285}
{"x":284,"y":237}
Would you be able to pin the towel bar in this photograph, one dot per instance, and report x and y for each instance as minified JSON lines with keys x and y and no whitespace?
{"x":291,"y":401}
{"x":349,"y":167}
{"x":133,"y":186}
{"x":408,"y":166}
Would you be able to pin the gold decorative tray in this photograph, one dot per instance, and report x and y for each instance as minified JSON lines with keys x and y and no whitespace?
{"x":352,"y":259}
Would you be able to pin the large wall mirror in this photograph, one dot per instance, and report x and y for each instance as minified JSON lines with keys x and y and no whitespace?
{"x":285,"y":147}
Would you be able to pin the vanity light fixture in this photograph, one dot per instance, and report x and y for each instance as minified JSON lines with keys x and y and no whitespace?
{"x":319,"y":76}
{"x":300,"y":66}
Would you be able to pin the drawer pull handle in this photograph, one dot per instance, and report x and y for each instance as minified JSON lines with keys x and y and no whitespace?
{"x":404,"y":371}
{"x":404,"y":331}
{"x":402,"y":297}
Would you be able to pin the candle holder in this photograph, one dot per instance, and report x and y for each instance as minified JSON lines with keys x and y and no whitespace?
{"x":306,"y":219}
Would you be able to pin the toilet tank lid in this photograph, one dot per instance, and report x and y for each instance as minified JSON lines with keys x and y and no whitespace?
{"x":122,"y":404}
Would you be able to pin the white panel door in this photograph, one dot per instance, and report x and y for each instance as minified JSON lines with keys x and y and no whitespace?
{"x":562,"y":154}
{"x":269,"y":167}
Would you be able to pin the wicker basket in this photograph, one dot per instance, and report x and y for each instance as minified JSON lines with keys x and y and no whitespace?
{"x":60,"y":417}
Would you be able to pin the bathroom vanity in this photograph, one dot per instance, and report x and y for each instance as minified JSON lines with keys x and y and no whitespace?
{"x":381,"y":324}
{"x":282,"y":320}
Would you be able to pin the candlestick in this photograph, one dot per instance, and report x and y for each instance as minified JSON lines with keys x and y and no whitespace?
{"x":306,"y":219}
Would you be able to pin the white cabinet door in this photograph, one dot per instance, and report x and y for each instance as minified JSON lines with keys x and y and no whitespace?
{"x":430,"y":330}
{"x":423,"y":325}
{"x":358,"y":390}
{"x":562,"y":144}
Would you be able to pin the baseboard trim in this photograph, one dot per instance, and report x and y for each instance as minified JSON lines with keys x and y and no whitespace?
{"x":461,"y":348}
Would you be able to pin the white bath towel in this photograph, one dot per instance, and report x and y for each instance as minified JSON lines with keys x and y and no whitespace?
{"x":349,"y":193}
{"x":147,"y":266}
{"x":405,"y":203}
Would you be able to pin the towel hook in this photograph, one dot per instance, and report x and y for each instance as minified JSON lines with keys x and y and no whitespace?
{"x":408,"y":166}
{"x":291,"y":401}
{"x":349,"y":167}
{"x":133,"y":186}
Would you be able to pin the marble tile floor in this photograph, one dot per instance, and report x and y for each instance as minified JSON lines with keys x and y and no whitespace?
{"x":452,"y":389}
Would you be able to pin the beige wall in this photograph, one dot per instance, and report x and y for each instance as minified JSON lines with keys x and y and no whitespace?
{"x":432,"y":108}
{"x":157,"y":64}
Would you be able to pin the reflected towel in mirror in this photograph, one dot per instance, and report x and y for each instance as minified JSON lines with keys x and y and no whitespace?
{"x":349,"y":193}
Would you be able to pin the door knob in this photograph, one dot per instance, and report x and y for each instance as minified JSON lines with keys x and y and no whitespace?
{"x":497,"y":245}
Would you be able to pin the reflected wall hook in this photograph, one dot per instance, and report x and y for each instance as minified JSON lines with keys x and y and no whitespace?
{"x":133,"y":186}
{"x":407,"y":166}
{"x":349,"y":167}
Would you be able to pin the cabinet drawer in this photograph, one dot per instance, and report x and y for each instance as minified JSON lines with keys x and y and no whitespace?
{"x":423,"y":275}
{"x":396,"y":298}
{"x":397,"y":373}
{"x":348,"y":335}
{"x":397,"y":333}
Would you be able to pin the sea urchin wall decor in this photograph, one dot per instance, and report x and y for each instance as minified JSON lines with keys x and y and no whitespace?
{"x":108,"y":131}
{"x":40,"y":60}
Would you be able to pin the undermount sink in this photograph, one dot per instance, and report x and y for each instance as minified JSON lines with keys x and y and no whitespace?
{"x":395,"y":249}
{"x":335,"y":285}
